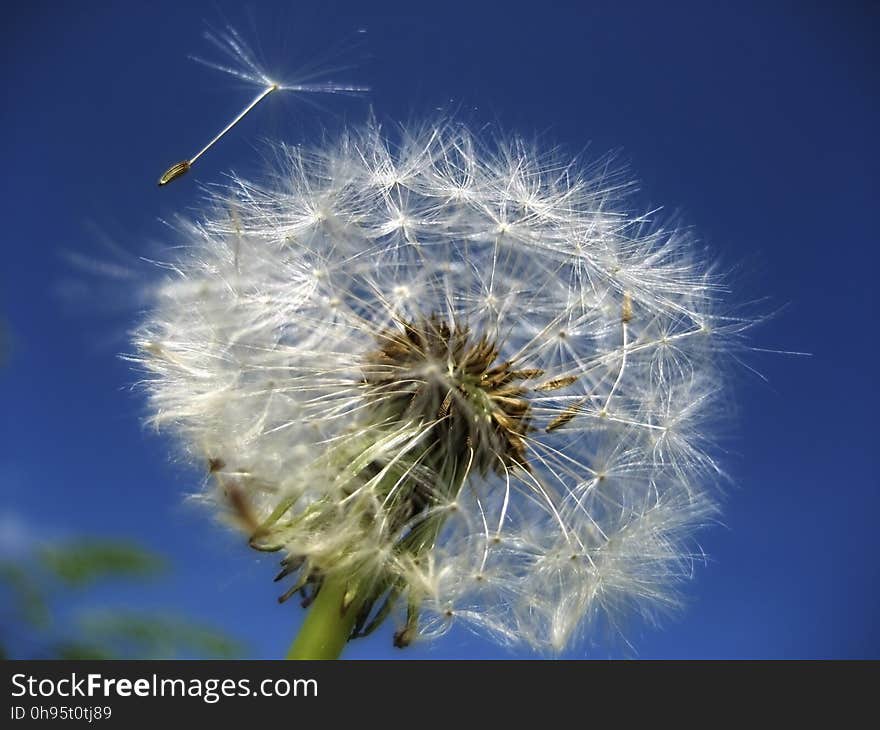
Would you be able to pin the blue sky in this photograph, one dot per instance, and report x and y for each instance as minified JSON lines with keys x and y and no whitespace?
{"x":757,"y":121}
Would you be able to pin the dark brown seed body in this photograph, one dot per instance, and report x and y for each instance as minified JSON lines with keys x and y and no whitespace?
{"x":447,"y":377}
{"x":174,"y":172}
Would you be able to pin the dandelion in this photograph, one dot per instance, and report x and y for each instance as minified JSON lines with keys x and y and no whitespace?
{"x":449,"y":380}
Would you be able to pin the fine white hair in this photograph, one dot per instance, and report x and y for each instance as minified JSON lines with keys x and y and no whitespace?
{"x":608,"y":331}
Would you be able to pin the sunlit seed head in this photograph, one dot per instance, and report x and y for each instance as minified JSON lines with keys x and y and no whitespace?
{"x":498,"y":414}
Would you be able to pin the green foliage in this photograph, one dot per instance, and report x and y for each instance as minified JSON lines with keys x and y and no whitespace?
{"x":47,"y":628}
{"x":26,"y":595}
{"x":83,"y":562}
{"x":81,"y":650}
{"x":155,"y":637}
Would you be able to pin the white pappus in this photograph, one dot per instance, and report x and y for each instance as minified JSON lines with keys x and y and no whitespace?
{"x":459,"y":375}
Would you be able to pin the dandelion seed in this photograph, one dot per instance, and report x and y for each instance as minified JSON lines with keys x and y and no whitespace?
{"x":178,"y":169}
{"x":246,"y":67}
{"x":174,"y":172}
{"x":557,"y":383}
{"x":565,"y":417}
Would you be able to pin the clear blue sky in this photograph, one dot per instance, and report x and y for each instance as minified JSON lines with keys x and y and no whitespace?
{"x":758,"y":121}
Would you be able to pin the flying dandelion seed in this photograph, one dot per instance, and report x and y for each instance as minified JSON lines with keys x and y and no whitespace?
{"x":448,"y":379}
{"x":231,"y":44}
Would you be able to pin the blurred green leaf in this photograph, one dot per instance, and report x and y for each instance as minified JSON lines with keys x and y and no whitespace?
{"x":80,"y":563}
{"x":144,"y":636}
{"x":81,"y":650}
{"x":42,"y":623}
{"x":27,"y":596}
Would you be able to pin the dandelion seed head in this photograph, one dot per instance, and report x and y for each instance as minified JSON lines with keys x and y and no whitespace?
{"x":463,"y":375}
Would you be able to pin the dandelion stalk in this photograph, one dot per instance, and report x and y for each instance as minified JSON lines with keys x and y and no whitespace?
{"x":327,"y":625}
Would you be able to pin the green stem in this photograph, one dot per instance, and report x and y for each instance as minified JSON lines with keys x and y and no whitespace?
{"x":326,"y":627}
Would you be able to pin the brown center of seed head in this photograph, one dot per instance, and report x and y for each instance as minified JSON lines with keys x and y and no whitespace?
{"x":447,"y":378}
